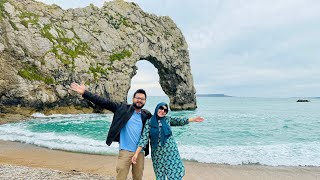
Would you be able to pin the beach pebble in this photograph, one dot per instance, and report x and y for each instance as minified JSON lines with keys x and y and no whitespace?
{"x":26,"y":173}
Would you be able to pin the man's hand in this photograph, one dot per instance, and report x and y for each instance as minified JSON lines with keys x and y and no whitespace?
{"x":79,"y":88}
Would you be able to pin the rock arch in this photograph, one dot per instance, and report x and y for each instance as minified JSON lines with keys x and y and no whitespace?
{"x":51,"y":47}
{"x":176,"y":81}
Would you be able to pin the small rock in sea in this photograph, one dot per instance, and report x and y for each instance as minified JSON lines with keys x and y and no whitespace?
{"x":303,"y":100}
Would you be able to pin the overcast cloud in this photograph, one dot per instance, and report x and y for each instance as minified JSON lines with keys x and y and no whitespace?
{"x":257,"y":48}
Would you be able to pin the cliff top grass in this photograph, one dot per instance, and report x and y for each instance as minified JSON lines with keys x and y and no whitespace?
{"x":2,"y":12}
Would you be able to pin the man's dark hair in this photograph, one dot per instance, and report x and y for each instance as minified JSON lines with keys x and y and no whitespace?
{"x":141,"y":91}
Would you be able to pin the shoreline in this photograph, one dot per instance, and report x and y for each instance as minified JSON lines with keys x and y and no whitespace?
{"x":12,"y":114}
{"x":26,"y":155}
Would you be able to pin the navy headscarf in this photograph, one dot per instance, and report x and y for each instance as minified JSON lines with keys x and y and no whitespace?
{"x":154,"y":128}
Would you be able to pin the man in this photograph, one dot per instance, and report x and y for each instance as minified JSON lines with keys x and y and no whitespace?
{"x":126,"y":128}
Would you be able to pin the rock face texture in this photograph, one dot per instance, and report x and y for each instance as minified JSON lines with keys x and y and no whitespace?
{"x":44,"y":48}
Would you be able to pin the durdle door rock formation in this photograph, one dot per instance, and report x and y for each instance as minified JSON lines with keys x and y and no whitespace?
{"x":44,"y":48}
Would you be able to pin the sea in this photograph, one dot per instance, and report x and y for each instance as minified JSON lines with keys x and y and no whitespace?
{"x":236,"y":131}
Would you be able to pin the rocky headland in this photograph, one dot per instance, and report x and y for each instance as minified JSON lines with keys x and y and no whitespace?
{"x":43,"y":48}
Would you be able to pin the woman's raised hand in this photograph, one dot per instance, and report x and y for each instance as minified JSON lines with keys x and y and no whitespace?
{"x":134,"y":158}
{"x":196,"y":119}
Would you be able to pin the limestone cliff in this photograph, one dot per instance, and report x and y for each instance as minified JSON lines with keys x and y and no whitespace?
{"x":44,"y":48}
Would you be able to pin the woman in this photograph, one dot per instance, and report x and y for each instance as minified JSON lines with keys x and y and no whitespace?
{"x":164,"y":151}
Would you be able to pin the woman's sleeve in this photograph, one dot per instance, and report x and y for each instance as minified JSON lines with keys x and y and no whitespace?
{"x":176,"y":121}
{"x":145,"y":135}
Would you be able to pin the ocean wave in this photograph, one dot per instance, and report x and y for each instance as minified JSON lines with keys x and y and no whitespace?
{"x":56,"y":141}
{"x":293,"y":154}
{"x":41,"y":115}
{"x":72,"y":118}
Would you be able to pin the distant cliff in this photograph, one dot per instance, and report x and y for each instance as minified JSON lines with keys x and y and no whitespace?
{"x":212,"y":95}
{"x":44,"y":48}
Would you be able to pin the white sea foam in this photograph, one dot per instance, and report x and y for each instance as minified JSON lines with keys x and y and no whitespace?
{"x":306,"y":154}
{"x":76,"y":118}
{"x":294,"y":154}
{"x":74,"y":143}
{"x":40,"y":115}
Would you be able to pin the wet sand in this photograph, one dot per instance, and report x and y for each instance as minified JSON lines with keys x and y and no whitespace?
{"x":20,"y":157}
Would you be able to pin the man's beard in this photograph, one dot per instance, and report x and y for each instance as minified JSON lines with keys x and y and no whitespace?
{"x":136,"y":106}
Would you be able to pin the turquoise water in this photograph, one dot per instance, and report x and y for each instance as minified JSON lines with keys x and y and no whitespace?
{"x":266,"y":131}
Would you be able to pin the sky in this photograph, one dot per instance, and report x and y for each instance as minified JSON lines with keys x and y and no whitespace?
{"x":245,"y":48}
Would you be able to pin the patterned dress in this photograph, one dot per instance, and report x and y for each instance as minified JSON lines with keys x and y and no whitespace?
{"x":166,"y":158}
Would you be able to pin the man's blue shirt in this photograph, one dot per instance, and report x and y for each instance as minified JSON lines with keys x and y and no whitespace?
{"x":131,"y":132}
